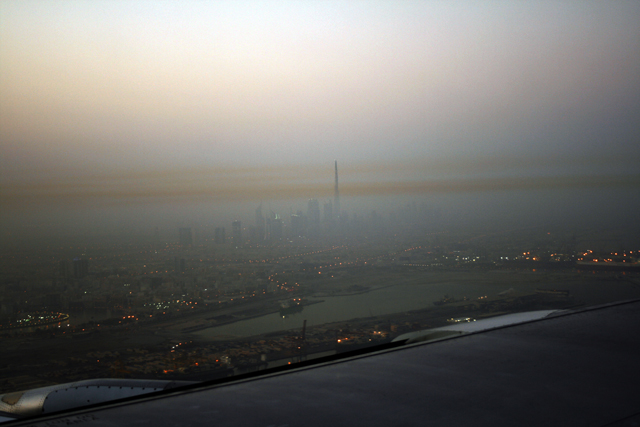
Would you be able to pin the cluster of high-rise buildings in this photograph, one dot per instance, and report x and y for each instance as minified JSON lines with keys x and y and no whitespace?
{"x":321,"y":221}
{"x":270,"y":226}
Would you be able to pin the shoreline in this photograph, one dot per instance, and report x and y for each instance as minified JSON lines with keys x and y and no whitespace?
{"x":365,"y":291}
{"x":199,"y":328}
{"x":435,"y":315}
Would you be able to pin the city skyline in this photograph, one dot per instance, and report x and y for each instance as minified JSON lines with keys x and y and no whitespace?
{"x":170,"y":212}
{"x":508,"y":111}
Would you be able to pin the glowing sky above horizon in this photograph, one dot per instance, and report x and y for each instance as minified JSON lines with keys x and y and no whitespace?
{"x":115,"y":99}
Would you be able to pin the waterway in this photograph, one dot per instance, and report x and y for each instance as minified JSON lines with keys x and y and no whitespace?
{"x":590,"y":289}
{"x":393,"y":299}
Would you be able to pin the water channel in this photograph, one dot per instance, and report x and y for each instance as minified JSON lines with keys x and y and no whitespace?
{"x":393,"y":299}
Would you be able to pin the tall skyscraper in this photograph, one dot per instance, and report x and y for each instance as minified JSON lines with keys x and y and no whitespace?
{"x":297,"y":225}
{"x":313,"y":212}
{"x":259,"y":224}
{"x":276,"y":228}
{"x":313,"y":215}
{"x":219,"y":236}
{"x":236,"y":232}
{"x":336,"y":195}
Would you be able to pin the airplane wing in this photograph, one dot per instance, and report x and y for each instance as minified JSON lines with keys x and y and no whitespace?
{"x":556,"y":369}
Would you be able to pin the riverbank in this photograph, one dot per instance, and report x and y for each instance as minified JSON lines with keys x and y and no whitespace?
{"x":230,"y":319}
{"x":418,"y":290}
{"x":348,"y":293}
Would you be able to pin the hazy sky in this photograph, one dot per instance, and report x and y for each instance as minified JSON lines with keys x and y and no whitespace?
{"x":148,"y":101}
